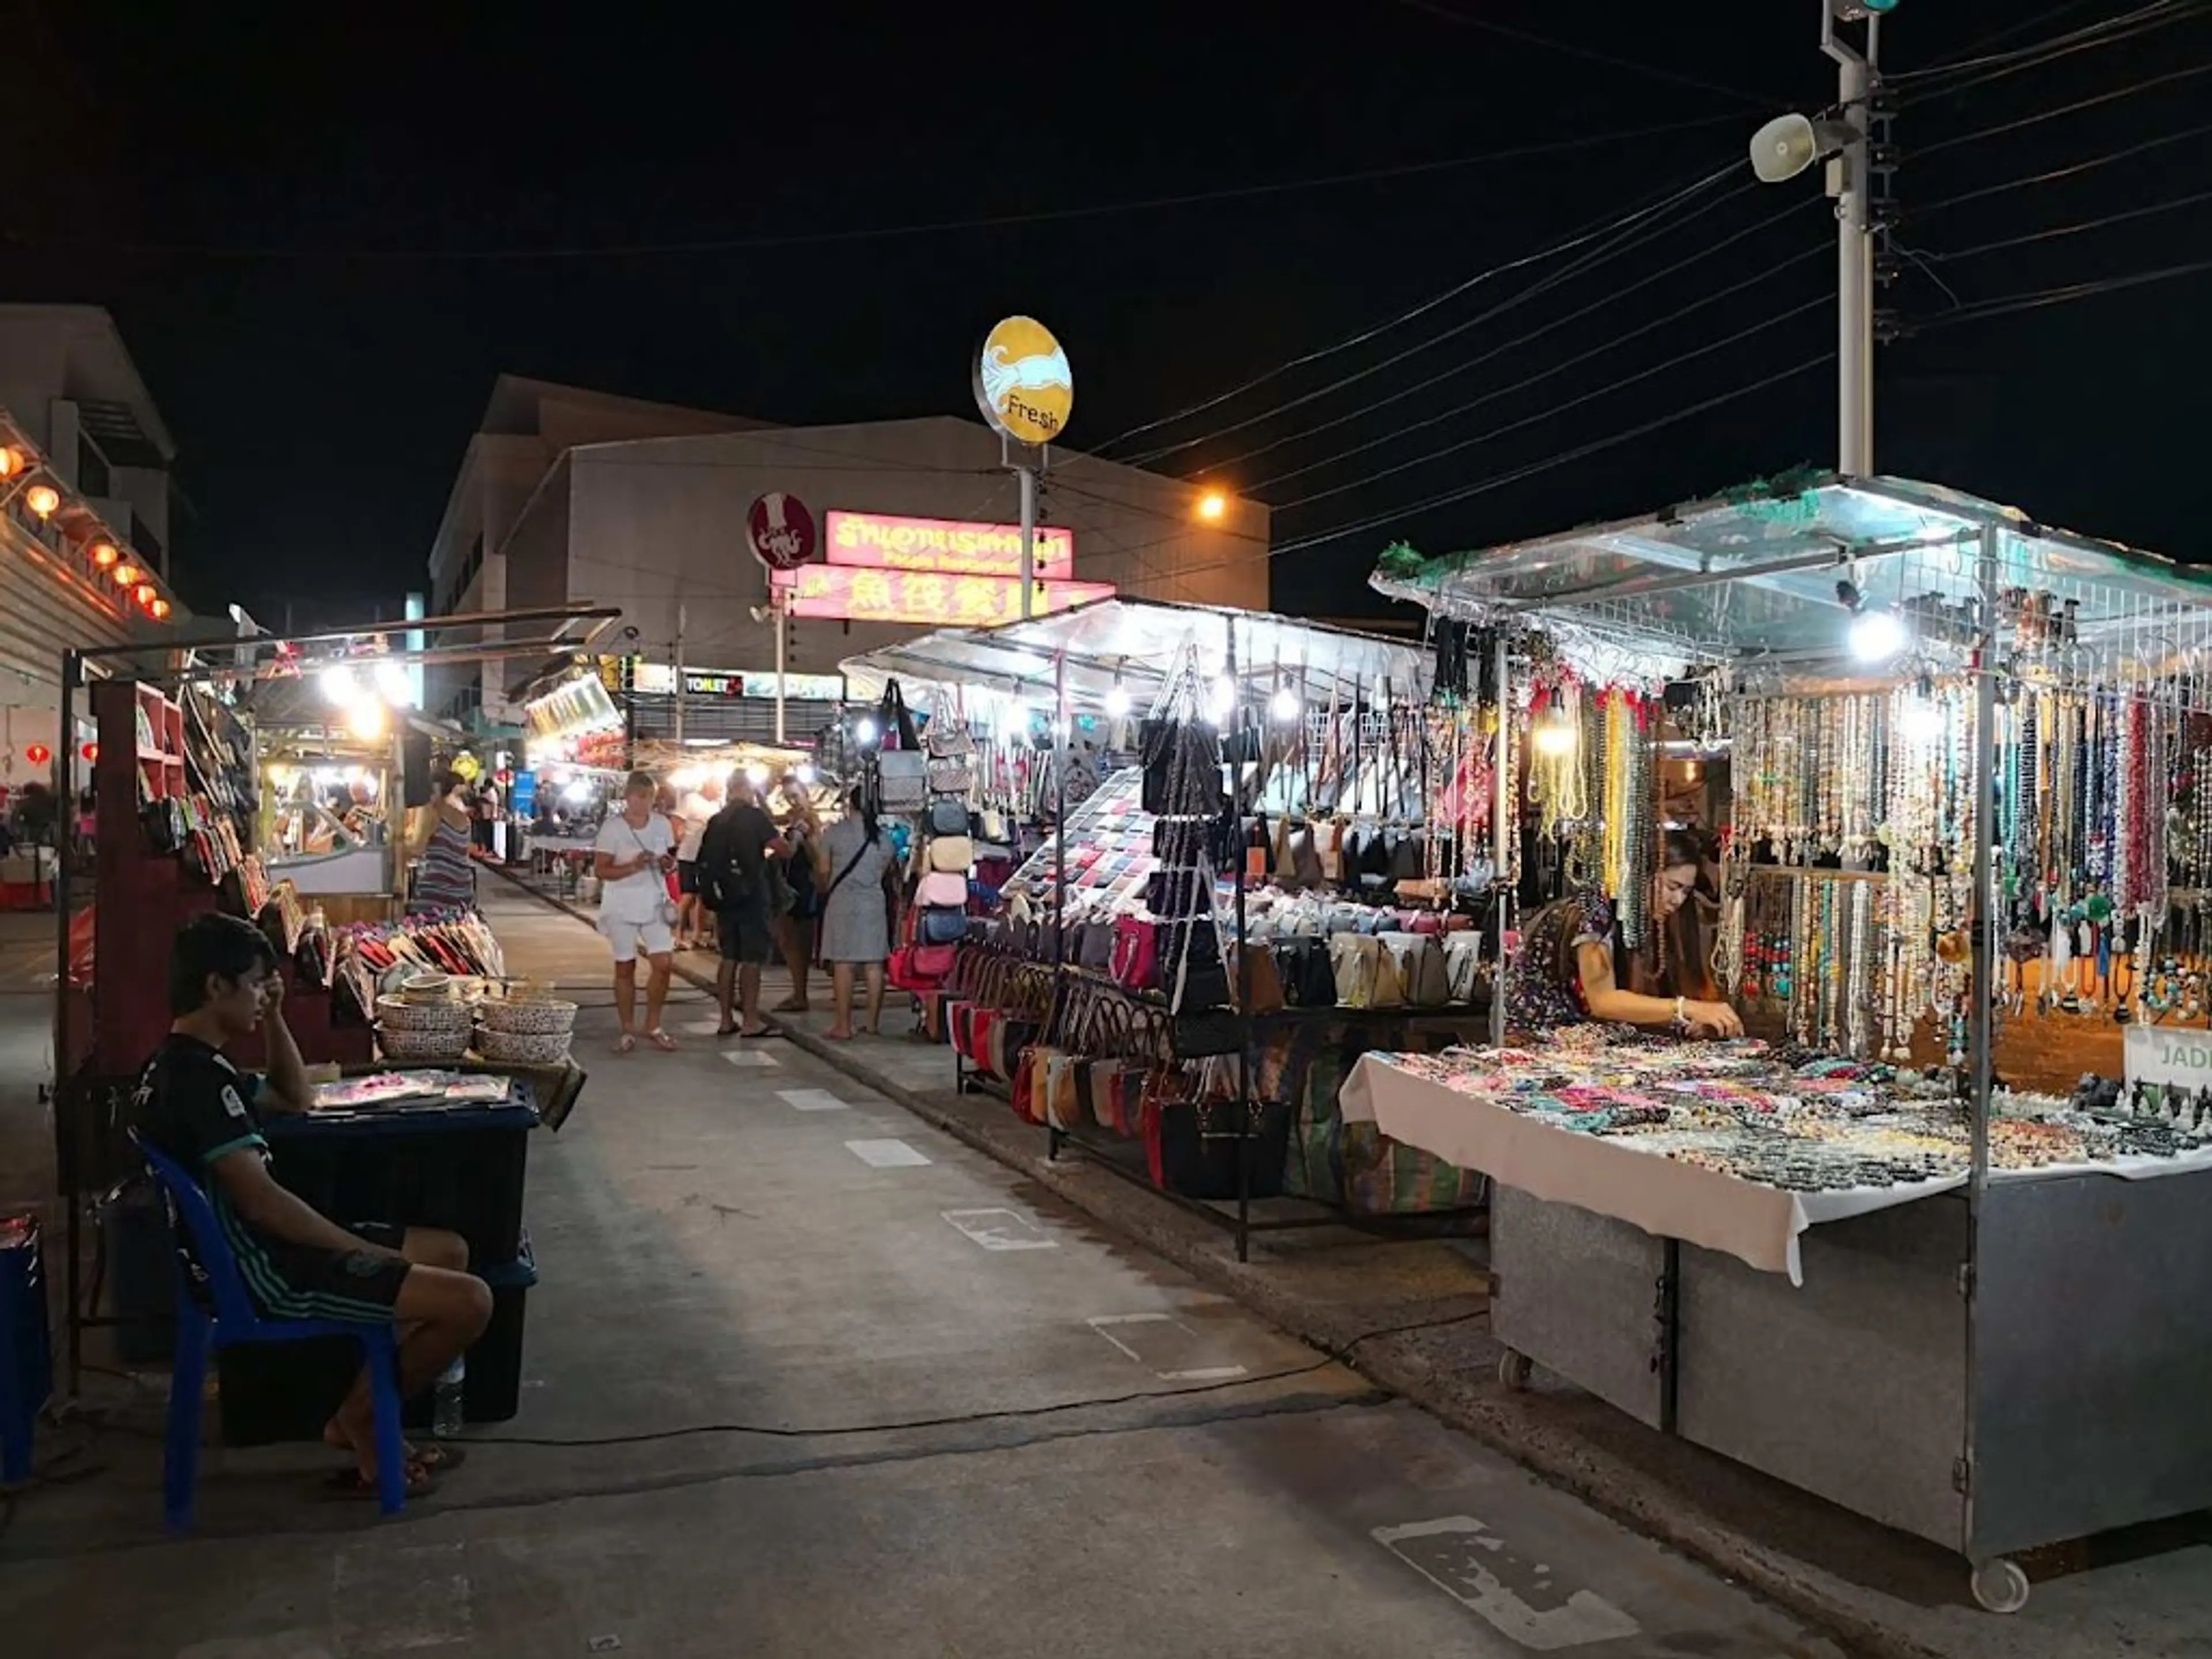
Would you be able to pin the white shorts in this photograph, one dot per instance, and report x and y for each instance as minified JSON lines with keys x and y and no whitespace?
{"x":632,"y":939}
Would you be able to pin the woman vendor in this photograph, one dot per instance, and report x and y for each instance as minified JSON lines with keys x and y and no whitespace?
{"x":1576,"y":965}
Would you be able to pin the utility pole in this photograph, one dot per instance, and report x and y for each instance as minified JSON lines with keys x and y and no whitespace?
{"x":1850,"y":176}
{"x":678,"y":687}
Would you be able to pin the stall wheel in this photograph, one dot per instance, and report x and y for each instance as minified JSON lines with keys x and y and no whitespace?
{"x":1999,"y":1586}
{"x":1513,"y":1368}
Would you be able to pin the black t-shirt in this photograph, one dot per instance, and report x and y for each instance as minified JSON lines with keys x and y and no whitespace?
{"x":196,"y":1106}
{"x":734,"y":849}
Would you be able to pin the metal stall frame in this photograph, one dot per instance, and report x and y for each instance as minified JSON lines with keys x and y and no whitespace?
{"x":1073,"y":645}
{"x":198,"y":659}
{"x":2056,"y":1428}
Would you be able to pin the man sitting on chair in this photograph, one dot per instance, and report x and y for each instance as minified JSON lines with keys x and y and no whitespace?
{"x":203,"y":1113}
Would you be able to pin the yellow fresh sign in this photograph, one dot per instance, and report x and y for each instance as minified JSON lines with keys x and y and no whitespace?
{"x":1023,"y":383}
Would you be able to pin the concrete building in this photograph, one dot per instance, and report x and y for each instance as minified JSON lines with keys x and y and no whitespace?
{"x":568,"y":495}
{"x":83,"y":441}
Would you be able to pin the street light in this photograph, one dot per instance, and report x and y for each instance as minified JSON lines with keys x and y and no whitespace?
{"x":1212,"y":507}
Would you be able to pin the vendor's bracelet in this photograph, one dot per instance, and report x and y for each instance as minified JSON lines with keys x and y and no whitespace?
{"x":1681,"y":1015}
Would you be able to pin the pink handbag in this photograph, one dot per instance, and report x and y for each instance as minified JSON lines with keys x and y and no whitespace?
{"x":1136,"y":952}
{"x":942,"y":889}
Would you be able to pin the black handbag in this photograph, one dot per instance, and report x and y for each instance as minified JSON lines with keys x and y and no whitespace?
{"x":1192,"y":973}
{"x":1210,"y":1031}
{"x":1198,"y":1149}
{"x":1171,"y":895}
{"x":948,"y":818}
{"x":1309,"y":978}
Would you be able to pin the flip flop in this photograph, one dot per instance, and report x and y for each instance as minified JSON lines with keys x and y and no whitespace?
{"x":439,"y":1457}
{"x":661,"y":1041}
{"x":725,"y":1030}
{"x":625,"y":1045}
{"x":350,"y":1482}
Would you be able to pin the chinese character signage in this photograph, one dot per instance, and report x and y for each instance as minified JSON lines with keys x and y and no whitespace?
{"x":880,"y":542}
{"x":934,"y":598}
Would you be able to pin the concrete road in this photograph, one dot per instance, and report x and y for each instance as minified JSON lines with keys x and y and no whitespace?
{"x":862,"y":1392}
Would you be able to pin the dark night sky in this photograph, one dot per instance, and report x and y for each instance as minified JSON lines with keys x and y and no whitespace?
{"x":322,"y":387}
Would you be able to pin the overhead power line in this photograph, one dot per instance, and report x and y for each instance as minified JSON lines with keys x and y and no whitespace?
{"x":1612,"y":297}
{"x":1581,"y":238}
{"x":2058,"y":231}
{"x":2111,"y":30}
{"x":2006,"y":305}
{"x":1588,"y":54}
{"x":1465,"y":492}
{"x":2041,"y":116}
{"x":1554,"y":410}
{"x":1627,"y":232}
{"x":879,"y":232}
{"x":1756,"y":280}
{"x":2056,"y":173}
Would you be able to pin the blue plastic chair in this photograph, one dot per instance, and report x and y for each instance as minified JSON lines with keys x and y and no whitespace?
{"x":236,"y":1320}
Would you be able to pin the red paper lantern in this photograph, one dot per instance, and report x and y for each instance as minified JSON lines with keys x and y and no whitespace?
{"x":37,"y":753}
{"x":90,"y":751}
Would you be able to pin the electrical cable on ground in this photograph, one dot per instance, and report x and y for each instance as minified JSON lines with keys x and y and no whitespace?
{"x":1629,"y":237}
{"x":1336,"y":1356}
{"x":1578,"y":239}
{"x":1756,"y":280}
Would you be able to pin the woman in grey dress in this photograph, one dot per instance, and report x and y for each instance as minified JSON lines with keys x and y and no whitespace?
{"x":856,"y":923}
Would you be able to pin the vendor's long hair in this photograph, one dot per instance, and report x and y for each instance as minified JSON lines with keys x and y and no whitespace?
{"x":1674,"y":960}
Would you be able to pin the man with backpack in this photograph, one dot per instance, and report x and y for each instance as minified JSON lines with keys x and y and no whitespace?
{"x":736,"y":882}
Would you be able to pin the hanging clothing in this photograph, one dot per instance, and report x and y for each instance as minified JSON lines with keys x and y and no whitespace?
{"x":447,"y":878}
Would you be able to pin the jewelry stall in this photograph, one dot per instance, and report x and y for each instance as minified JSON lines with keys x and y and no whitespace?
{"x":1902,"y":1252}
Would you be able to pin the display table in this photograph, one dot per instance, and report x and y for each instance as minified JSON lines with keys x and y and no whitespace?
{"x":460,"y":1168}
{"x":1824,"y":1337}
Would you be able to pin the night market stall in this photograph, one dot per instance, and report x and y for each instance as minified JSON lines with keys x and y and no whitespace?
{"x":1255,"y":847}
{"x":186,"y":827}
{"x":1902,"y":1252}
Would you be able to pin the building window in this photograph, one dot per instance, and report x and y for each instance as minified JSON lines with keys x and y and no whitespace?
{"x":92,"y":477}
{"x":148,"y":545}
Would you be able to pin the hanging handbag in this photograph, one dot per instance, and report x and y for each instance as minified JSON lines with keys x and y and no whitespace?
{"x":893,"y":721}
{"x":940,"y":926}
{"x":1302,"y":968}
{"x":1260,"y":985}
{"x":902,"y":781}
{"x":949,"y":775}
{"x":948,"y":737}
{"x":947,"y":817}
{"x":1171,"y":895}
{"x":1136,"y":960}
{"x":1353,"y":957}
{"x":1209,"y":1031}
{"x":1462,"y":964}
{"x":943,"y":889}
{"x":954,"y":854}
{"x":1094,"y":946}
{"x":1420,"y":963}
{"x":1192,"y":974}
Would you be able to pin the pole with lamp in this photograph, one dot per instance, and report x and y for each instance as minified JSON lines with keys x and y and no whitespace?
{"x":1788,"y":144}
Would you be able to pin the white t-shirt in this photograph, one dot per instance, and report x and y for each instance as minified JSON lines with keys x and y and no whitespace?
{"x":695,"y":812}
{"x":636,"y":897}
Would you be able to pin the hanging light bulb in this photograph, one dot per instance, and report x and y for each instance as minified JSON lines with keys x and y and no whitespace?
{"x":43,"y":500}
{"x":104,"y":554}
{"x":364,"y":719}
{"x":805,"y":773}
{"x":339,"y":685}
{"x":159,"y":610}
{"x":757,"y":776}
{"x":391,"y":681}
{"x":1285,"y":704}
{"x":1877,"y":634}
{"x":1117,"y":701}
{"x":863,"y":731}
{"x":1221,"y":704}
{"x":126,"y":576}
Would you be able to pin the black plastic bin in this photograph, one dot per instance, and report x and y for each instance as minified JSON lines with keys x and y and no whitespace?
{"x":287,"y":1391}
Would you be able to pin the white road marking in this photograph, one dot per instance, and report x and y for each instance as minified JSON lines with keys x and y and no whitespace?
{"x":813,"y":1100}
{"x":885,"y":1154}
{"x":750,"y":1057}
{"x":1447,"y":1554}
{"x":1100,"y":1323}
{"x":1001,"y":1229}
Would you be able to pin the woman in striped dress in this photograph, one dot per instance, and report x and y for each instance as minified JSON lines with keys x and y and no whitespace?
{"x":446,"y":879}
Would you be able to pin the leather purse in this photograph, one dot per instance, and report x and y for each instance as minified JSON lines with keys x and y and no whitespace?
{"x":940,"y":926}
{"x":1261,"y":986}
{"x":1172,"y":895}
{"x":1420,"y":962}
{"x":955,"y":853}
{"x":944,"y":889}
{"x":947,"y":817}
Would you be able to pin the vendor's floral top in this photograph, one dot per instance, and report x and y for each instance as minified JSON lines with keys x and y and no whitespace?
{"x":1546,"y":983}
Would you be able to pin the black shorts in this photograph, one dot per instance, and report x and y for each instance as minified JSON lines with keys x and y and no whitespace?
{"x":687,"y":875}
{"x":745,"y":937}
{"x":319,"y":1283}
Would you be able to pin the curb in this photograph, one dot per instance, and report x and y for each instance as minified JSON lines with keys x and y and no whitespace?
{"x":1395,"y":1364}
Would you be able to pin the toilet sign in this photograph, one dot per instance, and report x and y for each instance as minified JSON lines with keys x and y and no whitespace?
{"x":780,"y":531}
{"x":2169,"y":1056}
